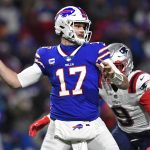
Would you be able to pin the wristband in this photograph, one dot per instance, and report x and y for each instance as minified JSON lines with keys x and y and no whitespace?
{"x":117,"y":79}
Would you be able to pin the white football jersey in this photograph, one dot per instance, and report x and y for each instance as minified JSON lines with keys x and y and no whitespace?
{"x":130,"y":114}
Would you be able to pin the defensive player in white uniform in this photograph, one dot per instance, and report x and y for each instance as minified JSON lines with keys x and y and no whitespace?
{"x":131,"y":107}
{"x":72,"y":68}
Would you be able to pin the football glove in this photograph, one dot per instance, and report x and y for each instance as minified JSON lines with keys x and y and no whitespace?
{"x":38,"y":125}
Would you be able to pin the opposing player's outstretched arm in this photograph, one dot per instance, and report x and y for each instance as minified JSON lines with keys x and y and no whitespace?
{"x":38,"y":125}
{"x":9,"y":76}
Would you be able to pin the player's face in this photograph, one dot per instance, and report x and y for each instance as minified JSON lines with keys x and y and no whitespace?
{"x":79,"y":29}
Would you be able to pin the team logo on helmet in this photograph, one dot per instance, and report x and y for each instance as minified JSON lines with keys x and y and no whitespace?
{"x":123,"y":50}
{"x":65,"y":12}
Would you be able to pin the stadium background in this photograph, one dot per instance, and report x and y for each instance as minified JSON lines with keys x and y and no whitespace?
{"x":26,"y":25}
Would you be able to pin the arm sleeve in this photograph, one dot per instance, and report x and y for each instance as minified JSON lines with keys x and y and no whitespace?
{"x":40,"y":58}
{"x":29,"y":75}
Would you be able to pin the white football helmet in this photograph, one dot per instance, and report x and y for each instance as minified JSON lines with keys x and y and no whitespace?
{"x":122,"y":57}
{"x":64,"y":22}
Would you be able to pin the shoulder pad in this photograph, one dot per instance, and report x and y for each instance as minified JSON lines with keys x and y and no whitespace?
{"x":43,"y":49}
{"x":48,"y":47}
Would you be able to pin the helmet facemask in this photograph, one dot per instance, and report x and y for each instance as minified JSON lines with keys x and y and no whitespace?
{"x":73,"y":36}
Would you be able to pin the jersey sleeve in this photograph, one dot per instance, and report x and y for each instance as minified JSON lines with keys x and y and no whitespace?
{"x":103,"y":53}
{"x":143,"y":90}
{"x":39,"y":59}
{"x":145,"y":101}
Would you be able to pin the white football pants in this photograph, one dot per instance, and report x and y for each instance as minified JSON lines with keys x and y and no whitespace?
{"x":104,"y":141}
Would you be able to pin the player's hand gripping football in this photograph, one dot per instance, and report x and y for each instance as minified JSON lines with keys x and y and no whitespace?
{"x":106,"y":70}
{"x":38,"y":125}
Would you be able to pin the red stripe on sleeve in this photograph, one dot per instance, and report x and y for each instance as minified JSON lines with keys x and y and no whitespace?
{"x":132,"y":86}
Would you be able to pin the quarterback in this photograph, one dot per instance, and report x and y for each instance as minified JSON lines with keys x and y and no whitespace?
{"x":131,"y":107}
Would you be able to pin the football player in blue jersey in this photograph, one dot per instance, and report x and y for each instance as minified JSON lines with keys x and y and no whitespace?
{"x":73,"y":68}
{"x":131,"y":107}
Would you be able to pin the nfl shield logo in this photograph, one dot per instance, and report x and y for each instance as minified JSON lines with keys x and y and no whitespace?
{"x":68,"y":58}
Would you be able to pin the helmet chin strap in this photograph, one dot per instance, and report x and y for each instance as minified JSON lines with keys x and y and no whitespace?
{"x":78,"y":40}
{"x":74,"y":38}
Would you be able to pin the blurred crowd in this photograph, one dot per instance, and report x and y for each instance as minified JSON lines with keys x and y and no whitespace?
{"x":29,"y":24}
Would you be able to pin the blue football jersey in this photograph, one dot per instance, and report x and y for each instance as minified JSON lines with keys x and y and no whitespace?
{"x":74,"y":79}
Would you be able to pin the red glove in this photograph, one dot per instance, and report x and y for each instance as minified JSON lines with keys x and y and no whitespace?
{"x":38,"y":125}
